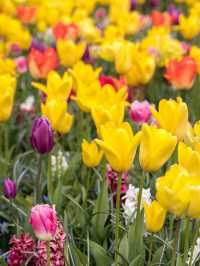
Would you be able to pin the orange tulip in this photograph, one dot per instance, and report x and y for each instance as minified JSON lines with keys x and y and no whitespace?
{"x":65,"y":31}
{"x":161,"y":19}
{"x":26,"y":14}
{"x":181,"y":73}
{"x":41,"y":63}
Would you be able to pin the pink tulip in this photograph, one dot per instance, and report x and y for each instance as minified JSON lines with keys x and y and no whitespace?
{"x":21,"y":64}
{"x":44,"y":221}
{"x":140,"y":112}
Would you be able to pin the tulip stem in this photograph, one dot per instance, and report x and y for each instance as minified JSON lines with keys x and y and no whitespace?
{"x":175,"y":247}
{"x":139,"y":200}
{"x":196,"y":233}
{"x":117,"y":216}
{"x":150,"y":249}
{"x":48,"y":254}
{"x":186,"y":246}
{"x":38,"y":180}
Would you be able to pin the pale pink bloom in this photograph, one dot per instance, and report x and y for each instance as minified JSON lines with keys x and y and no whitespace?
{"x":140,"y":112}
{"x":21,"y":64}
{"x":44,"y":221}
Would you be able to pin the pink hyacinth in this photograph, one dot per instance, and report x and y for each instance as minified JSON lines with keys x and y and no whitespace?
{"x":56,"y":248}
{"x":21,"y":64}
{"x":140,"y":112}
{"x":44,"y":221}
{"x":112,"y":178}
{"x":22,"y":251}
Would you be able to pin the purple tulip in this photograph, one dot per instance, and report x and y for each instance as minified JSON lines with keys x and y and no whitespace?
{"x":42,"y":135}
{"x":174,"y":13}
{"x":154,"y":3}
{"x":38,"y":45}
{"x":9,"y":188}
{"x":133,"y":4}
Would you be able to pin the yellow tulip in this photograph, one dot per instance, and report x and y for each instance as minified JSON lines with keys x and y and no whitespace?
{"x":155,"y":216}
{"x":142,"y":70}
{"x":56,"y":112}
{"x":157,"y":145}
{"x":84,"y":73}
{"x":172,"y":116}
{"x":193,"y":209}
{"x":171,"y":191}
{"x":119,"y":145}
{"x":91,"y":154}
{"x":86,"y":95}
{"x":123,"y":57}
{"x":102,"y":115}
{"x":7,"y":92}
{"x":189,"y":159}
{"x":70,"y":53}
{"x":195,"y":53}
{"x":189,"y":27}
{"x":7,"y":66}
{"x":56,"y":86}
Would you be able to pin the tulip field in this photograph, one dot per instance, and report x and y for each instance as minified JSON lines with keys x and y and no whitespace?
{"x":99,"y":132}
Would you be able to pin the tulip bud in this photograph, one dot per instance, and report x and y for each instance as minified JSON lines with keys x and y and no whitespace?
{"x":43,"y":220}
{"x":9,"y":188}
{"x":42,"y":135}
{"x":140,"y":112}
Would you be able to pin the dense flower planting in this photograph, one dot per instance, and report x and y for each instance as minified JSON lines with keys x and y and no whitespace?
{"x":99,"y":132}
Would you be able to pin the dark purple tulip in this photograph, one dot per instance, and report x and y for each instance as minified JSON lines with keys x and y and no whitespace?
{"x":9,"y":188}
{"x":42,"y":135}
{"x":40,"y":46}
{"x":133,"y":4}
{"x":154,"y":3}
{"x":174,"y":13}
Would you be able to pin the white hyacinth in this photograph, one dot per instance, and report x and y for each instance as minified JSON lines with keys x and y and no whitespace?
{"x":59,"y":163}
{"x":196,"y":252}
{"x":131,"y":199}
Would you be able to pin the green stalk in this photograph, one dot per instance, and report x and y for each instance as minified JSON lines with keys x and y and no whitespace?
{"x":139,"y":199}
{"x":119,"y":183}
{"x":48,"y":254}
{"x":38,"y":185}
{"x":196,"y":233}
{"x":186,"y":246}
{"x":150,"y":250}
{"x":175,"y":246}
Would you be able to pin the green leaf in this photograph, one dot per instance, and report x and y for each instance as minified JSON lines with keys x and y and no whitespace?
{"x":79,"y":258}
{"x":157,"y":256}
{"x":100,"y":255}
{"x":123,"y":250}
{"x":136,"y":261}
{"x":135,"y":238}
{"x":2,"y":262}
{"x":49,"y":181}
{"x":100,"y":212}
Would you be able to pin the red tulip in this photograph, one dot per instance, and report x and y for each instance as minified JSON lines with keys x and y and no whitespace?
{"x":41,"y":63}
{"x":161,"y":19}
{"x":181,"y":73}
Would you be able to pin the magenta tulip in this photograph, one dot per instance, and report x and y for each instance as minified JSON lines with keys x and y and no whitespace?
{"x":140,"y":112}
{"x":9,"y":188}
